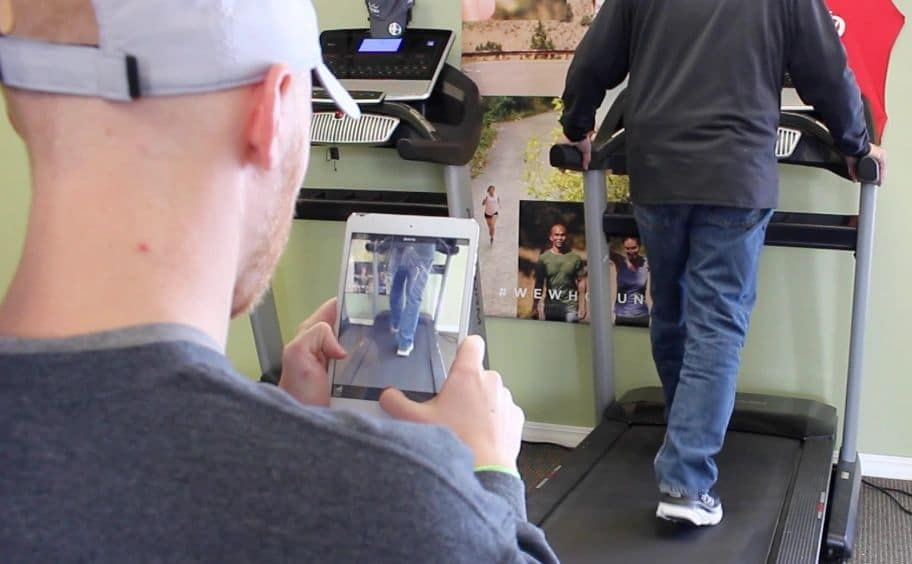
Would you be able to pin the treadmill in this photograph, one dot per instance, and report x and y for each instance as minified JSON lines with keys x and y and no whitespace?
{"x":411,"y":101}
{"x":372,"y":345}
{"x":784,"y":500}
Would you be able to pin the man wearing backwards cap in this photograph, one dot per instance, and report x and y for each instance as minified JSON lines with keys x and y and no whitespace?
{"x":167,"y":141}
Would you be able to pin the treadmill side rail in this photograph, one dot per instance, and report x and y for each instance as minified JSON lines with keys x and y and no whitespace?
{"x":800,"y":531}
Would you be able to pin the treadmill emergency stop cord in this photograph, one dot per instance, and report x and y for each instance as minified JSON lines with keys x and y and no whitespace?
{"x":889,"y":493}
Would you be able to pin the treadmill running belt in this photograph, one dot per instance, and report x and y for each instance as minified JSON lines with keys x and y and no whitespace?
{"x":615,"y":505}
{"x":373,"y":361}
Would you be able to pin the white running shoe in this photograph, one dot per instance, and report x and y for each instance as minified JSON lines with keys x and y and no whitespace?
{"x":702,"y":511}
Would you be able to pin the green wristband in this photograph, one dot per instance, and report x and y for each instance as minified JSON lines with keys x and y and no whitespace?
{"x":498,"y":468}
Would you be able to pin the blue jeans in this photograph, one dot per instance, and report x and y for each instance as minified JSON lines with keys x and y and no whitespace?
{"x":703,"y":276}
{"x":410,"y":265}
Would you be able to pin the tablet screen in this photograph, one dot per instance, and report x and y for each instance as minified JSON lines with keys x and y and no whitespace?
{"x":401,"y":313}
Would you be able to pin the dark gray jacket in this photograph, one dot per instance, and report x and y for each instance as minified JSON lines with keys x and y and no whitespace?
{"x":144,"y":445}
{"x":704,"y":92}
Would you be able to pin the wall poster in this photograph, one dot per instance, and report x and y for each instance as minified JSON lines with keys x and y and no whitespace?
{"x":533,"y":245}
{"x":525,"y":46}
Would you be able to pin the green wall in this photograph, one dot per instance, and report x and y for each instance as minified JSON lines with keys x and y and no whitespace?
{"x":799,"y":338}
{"x":14,"y":198}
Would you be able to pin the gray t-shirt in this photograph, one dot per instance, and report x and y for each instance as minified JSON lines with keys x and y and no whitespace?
{"x":144,"y":445}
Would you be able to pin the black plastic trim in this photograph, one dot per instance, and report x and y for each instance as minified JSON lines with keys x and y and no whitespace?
{"x":786,"y":229}
{"x":778,"y":416}
{"x":338,"y":204}
{"x":444,"y":129}
{"x":842,"y":518}
{"x":271,"y":377}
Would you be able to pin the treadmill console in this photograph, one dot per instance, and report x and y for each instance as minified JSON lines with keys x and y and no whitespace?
{"x":402,"y":68}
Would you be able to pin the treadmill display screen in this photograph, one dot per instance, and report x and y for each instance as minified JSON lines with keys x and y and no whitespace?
{"x":400,"y":314}
{"x":371,"y":45}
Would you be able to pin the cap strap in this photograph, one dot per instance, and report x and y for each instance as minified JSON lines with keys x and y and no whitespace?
{"x":68,"y":69}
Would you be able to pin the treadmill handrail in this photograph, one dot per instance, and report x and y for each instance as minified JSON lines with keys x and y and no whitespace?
{"x":455,"y":94}
{"x":815,"y":149}
{"x":445,"y":129}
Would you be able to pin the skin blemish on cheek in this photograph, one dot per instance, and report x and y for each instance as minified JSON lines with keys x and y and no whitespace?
{"x":143,"y":248}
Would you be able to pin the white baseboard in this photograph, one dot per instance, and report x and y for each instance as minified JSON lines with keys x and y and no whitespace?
{"x":564,"y":435}
{"x":891,"y":467}
{"x":872,"y":465}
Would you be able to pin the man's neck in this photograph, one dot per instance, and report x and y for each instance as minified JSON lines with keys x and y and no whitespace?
{"x":109,"y":248}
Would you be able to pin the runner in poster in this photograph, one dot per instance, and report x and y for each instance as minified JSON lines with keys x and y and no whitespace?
{"x":630,"y":282}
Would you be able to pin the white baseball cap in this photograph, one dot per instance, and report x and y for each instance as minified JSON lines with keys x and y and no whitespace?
{"x":172,"y":47}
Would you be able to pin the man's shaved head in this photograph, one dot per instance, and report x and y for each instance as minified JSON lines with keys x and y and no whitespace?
{"x":246,"y":145}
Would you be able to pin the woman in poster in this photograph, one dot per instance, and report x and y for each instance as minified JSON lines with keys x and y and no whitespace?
{"x":631,"y":284}
{"x":491,"y":205}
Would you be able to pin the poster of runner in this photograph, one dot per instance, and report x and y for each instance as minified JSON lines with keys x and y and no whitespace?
{"x":527,"y":209}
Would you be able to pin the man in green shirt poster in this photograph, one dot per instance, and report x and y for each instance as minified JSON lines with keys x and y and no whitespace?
{"x":560,"y":280}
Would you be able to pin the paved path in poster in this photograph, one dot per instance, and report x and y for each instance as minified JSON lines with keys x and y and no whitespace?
{"x":518,"y":77}
{"x":499,"y":263}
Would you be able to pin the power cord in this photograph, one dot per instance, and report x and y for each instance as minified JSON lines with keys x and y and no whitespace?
{"x":889,"y":493}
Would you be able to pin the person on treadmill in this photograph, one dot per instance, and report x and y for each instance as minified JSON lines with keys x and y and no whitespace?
{"x":167,"y":141}
{"x":409,"y":268}
{"x":704,"y":85}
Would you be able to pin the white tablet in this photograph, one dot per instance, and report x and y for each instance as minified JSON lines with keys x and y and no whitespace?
{"x":404,"y":303}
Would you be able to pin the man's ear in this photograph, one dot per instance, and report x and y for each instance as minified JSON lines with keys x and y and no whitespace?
{"x":262,"y":137}
{"x":11,"y":113}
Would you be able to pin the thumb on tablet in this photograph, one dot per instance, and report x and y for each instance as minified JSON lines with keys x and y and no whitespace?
{"x":395,"y":403}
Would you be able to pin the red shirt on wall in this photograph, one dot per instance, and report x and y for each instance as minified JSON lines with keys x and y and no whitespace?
{"x":868,"y":29}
